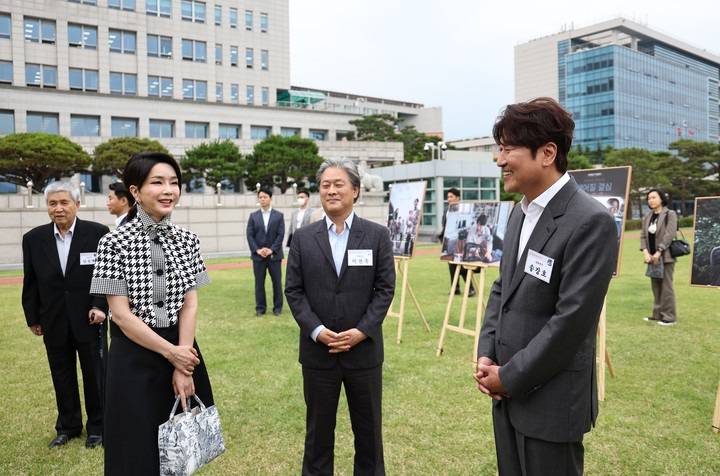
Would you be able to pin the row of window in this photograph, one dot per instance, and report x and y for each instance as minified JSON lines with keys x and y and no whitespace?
{"x":82,"y":125}
{"x":191,"y":10}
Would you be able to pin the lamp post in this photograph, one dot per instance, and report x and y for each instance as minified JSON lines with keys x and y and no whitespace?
{"x":218,"y":189}
{"x":82,"y":195}
{"x":435,"y":149}
{"x":29,"y":204}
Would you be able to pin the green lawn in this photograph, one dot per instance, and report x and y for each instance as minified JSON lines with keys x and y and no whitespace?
{"x":655,"y":420}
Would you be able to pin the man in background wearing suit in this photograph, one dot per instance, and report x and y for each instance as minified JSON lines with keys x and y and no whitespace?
{"x":265,"y":233}
{"x":339,"y":285}
{"x":119,"y":202}
{"x":58,"y":261}
{"x":301,"y":216}
{"x":453,"y":197}
{"x":536,"y":357}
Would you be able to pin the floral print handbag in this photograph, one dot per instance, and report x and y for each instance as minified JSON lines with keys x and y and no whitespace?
{"x":189,"y":439}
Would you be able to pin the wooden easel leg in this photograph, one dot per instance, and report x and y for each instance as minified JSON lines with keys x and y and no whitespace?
{"x":480,"y":290}
{"x":716,"y":417}
{"x":403,"y":288}
{"x":608,"y":361}
{"x":600,"y":354}
{"x":443,"y":331}
{"x":466,"y":294}
{"x":417,"y":306}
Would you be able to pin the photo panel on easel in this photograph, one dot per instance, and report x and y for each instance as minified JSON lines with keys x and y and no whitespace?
{"x":405,"y":216}
{"x":475,"y":231}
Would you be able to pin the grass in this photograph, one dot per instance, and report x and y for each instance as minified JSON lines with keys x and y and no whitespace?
{"x":655,"y":420}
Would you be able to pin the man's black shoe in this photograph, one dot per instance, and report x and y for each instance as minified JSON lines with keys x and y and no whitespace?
{"x":61,"y":440}
{"x":259,"y":313}
{"x":471,"y":293}
{"x":93,"y":441}
{"x":277,"y":313}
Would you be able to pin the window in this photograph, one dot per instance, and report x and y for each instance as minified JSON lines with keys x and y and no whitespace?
{"x":84,"y":125}
{"x":162,"y":129}
{"x":318,"y":134}
{"x":6,"y":71}
{"x":249,"y":57}
{"x":194,"y":90}
{"x":39,"y":30}
{"x":83,"y":79}
{"x":218,"y":92}
{"x":250,"y":95}
{"x":264,"y":59}
{"x":160,"y":8}
{"x":265,"y":96}
{"x":7,"y":122}
{"x":192,"y":10}
{"x":124,"y":127}
{"x":235,"y":93}
{"x":248,"y":20}
{"x":5,"y":25}
{"x":218,"y":15}
{"x":41,"y":75}
{"x":194,"y":50}
{"x":290,"y":131}
{"x":42,"y":122}
{"x":196,"y":130}
{"x":233,"y":17}
{"x":260,"y":132}
{"x":128,"y":5}
{"x":160,"y":86}
{"x":234,"y":56}
{"x":122,"y":41}
{"x":264,"y":22}
{"x":82,"y":36}
{"x":229,"y":131}
{"x":159,"y":46}
{"x":218,"y":53}
{"x":86,"y":2}
{"x":123,"y":83}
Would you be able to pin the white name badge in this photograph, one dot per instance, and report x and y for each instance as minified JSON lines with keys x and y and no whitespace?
{"x":87,"y":258}
{"x":360,"y":258}
{"x":539,"y":265}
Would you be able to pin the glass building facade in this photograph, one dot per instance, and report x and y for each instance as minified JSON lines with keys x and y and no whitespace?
{"x":639,"y":94}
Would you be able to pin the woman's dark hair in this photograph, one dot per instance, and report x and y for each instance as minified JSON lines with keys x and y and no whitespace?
{"x":663,"y":196}
{"x":120,"y":191}
{"x":482,"y":219}
{"x":533,"y":124}
{"x":138,"y":168}
{"x":454,"y":191}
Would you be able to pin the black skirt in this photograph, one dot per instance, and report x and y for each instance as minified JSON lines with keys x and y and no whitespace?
{"x":138,"y":398}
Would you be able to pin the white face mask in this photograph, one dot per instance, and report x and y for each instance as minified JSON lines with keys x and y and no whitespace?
{"x":301,"y":201}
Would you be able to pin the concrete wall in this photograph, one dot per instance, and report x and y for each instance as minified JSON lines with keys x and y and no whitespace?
{"x":221,"y":228}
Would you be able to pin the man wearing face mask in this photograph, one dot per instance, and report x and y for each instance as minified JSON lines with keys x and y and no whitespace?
{"x":301,"y":216}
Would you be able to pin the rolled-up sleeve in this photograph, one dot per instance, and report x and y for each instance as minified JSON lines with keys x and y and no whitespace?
{"x":108,"y":273}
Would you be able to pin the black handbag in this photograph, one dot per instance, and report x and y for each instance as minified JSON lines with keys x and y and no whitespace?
{"x":678,"y":247}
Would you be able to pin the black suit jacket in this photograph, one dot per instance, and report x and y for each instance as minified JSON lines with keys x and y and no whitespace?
{"x":258,"y":238}
{"x":60,"y":304}
{"x":543,"y":334}
{"x":359,"y":298}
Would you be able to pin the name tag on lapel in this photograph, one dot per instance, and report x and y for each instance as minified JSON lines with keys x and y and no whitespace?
{"x":360,"y":258}
{"x":539,"y":266}
{"x":87,"y":258}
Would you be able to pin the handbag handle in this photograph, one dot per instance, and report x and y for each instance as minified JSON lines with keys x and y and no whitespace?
{"x":177,"y":401}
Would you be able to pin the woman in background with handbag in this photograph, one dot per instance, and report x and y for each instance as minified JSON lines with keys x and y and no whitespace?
{"x":149,"y":270}
{"x":658,"y":230}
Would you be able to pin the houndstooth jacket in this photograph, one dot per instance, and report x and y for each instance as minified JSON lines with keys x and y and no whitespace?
{"x":153,"y":264}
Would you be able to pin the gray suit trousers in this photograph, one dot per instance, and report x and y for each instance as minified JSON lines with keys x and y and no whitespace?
{"x":664,"y":295}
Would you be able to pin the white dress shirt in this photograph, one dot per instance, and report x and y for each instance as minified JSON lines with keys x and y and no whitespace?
{"x":266,"y":216}
{"x":63,"y":244}
{"x":119,"y":219}
{"x":535,"y":209}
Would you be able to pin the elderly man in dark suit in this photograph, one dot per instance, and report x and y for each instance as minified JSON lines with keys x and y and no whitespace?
{"x":536,"y":357}
{"x":58,"y":261}
{"x":340,"y":283}
{"x":265,"y":233}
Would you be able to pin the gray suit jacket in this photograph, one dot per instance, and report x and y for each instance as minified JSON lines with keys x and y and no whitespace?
{"x":543,"y":334}
{"x":359,"y":298}
{"x":305,"y":220}
{"x":664,"y":234}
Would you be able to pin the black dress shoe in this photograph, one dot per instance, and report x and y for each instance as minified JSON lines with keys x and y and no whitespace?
{"x":61,"y":439}
{"x":93,"y":441}
{"x":259,"y":313}
{"x":277,"y":313}
{"x":471,"y":293}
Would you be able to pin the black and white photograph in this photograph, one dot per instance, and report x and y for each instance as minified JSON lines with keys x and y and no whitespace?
{"x":706,"y":249}
{"x":475,"y":231}
{"x":404,"y":216}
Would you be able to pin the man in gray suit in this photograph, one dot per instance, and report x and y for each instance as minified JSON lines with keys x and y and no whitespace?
{"x":302,"y":215}
{"x":536,"y":357}
{"x":339,"y":286}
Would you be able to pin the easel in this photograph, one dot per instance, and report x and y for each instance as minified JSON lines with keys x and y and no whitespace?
{"x":716,"y":416}
{"x":479,"y":289}
{"x":603,"y":355}
{"x":401,"y":269}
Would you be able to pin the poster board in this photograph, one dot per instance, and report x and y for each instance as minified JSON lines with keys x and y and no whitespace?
{"x":475,"y":232}
{"x":705,"y":269}
{"x":611,"y":187}
{"x":405,"y":216}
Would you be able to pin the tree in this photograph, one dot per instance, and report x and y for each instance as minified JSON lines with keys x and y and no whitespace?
{"x":414,"y":144}
{"x":646,"y":172}
{"x":111,"y":156}
{"x":214,"y":162}
{"x":40,"y":157}
{"x":376,"y":127}
{"x":577,"y":160}
{"x":705,"y":155}
{"x":282,"y":161}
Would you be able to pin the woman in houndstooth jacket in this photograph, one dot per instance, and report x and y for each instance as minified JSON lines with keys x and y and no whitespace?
{"x":149,"y":270}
